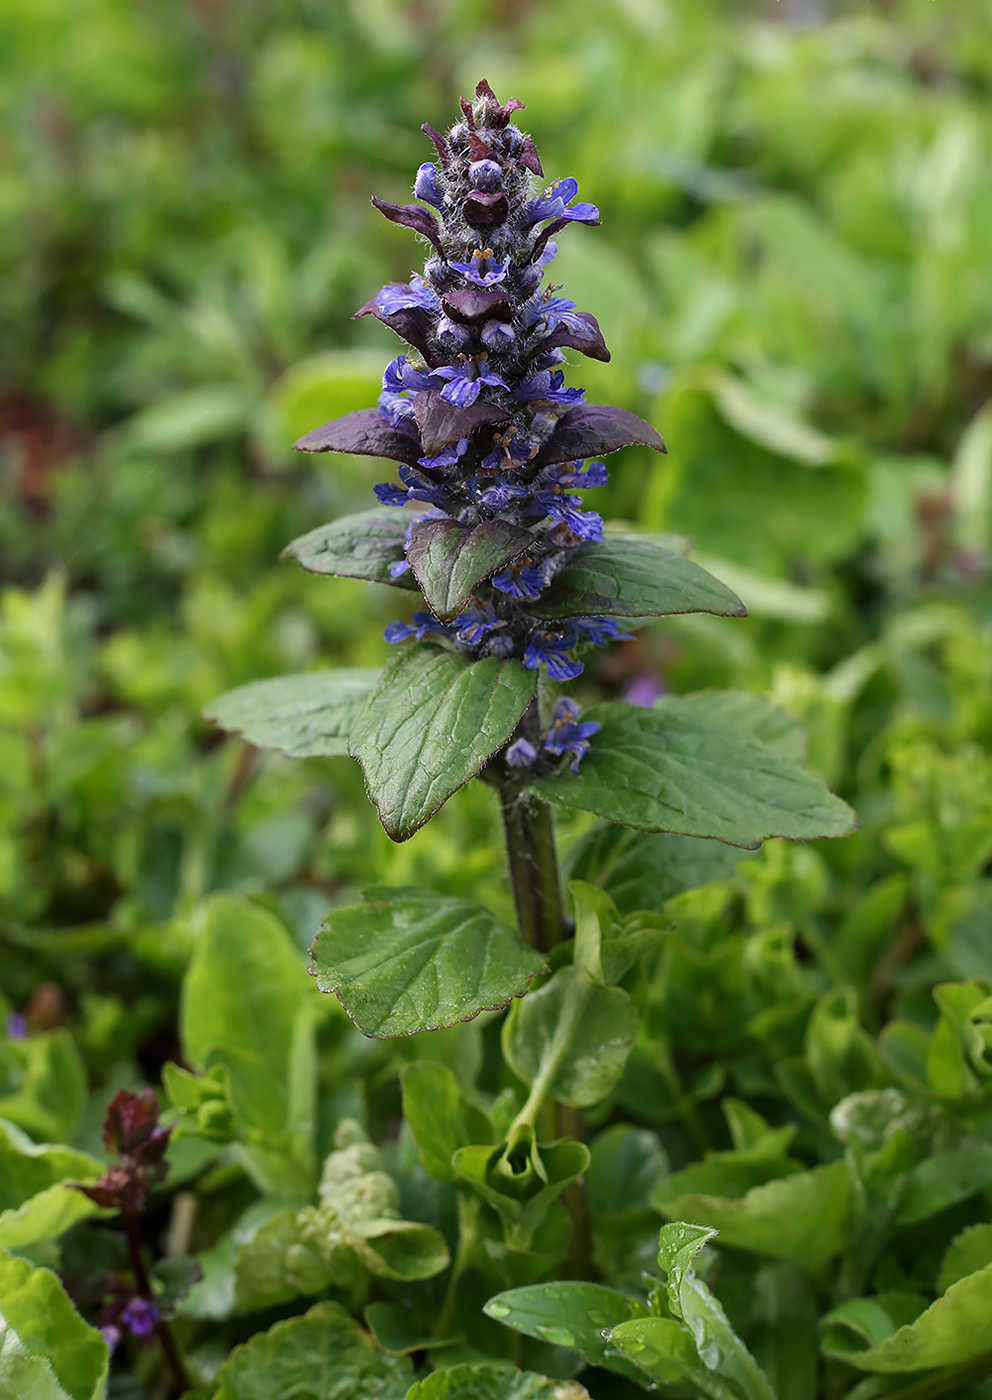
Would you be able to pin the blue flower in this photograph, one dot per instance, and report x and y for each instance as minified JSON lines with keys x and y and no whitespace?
{"x":497,"y":335}
{"x":396,"y":296}
{"x":568,"y":509}
{"x":503,"y":494}
{"x":550,"y":385}
{"x":548,"y":649}
{"x":556,"y":203}
{"x":521,"y":754}
{"x":420,"y":488}
{"x":446,"y":458}
{"x":566,"y":735}
{"x":483,"y":269}
{"x":472,"y":626}
{"x":421,"y":624}
{"x":400,"y":381}
{"x":465,"y":382}
{"x":399,"y":568}
{"x":602,"y":630}
{"x":559,"y":311}
{"x":390,"y":494}
{"x":524,"y":580}
{"x":511,"y":450}
{"x":425,"y":185}
{"x":140,"y":1317}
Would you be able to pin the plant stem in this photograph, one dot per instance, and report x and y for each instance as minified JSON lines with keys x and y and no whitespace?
{"x":162,"y":1329}
{"x":530,"y":848}
{"x":468,"y":1214}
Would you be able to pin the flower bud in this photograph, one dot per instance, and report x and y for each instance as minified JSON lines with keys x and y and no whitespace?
{"x":497,"y":335}
{"x":485,"y":175}
{"x":451,"y":335}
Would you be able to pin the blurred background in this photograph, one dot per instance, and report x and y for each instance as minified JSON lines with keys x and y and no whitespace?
{"x":793,"y":276}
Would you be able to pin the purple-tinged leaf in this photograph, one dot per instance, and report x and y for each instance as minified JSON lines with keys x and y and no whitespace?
{"x":528,"y":157}
{"x":485,"y":210}
{"x":469,"y":304}
{"x":595,"y":429}
{"x":365,"y":433}
{"x":440,"y":144}
{"x":422,"y":221}
{"x":478,"y":150}
{"x":441,"y":422}
{"x":411,"y":323}
{"x":588,"y":342}
{"x":451,"y":560}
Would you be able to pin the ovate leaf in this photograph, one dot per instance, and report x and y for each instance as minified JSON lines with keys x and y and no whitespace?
{"x":356,"y":546}
{"x":570,"y":1314}
{"x":429,"y":725}
{"x":323,"y":1355}
{"x":47,"y":1351}
{"x":450,"y":560}
{"x":410,"y":960}
{"x":573,"y":1036}
{"x":438,"y":1118}
{"x":631,"y":578}
{"x":682,"y":768}
{"x":35,"y":1202}
{"x":309,"y":716}
{"x":493,"y":1382}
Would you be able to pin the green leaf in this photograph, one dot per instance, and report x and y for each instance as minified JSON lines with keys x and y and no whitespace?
{"x":356,"y":546}
{"x":437,"y":1116}
{"x":47,"y":1351}
{"x":450,"y":560}
{"x":521,"y":1180}
{"x":429,"y":725}
{"x":968,"y":1253}
{"x":800,"y":1217}
{"x":942,"y":1180}
{"x":681,"y":767}
{"x":628,"y":577}
{"x":663,"y":1347}
{"x":571,"y":1037}
{"x":493,"y":1382}
{"x":398,"y":1330}
{"x":247,"y":1005}
{"x":308,"y":716}
{"x":323,"y":1355}
{"x":35,"y":1204}
{"x":410,"y":960}
{"x":51,"y":1096}
{"x":643,"y":870}
{"x":568,"y":1314}
{"x":951,"y":1331}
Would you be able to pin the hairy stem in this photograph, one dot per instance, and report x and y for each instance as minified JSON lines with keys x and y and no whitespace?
{"x":162,"y":1329}
{"x":530,"y":848}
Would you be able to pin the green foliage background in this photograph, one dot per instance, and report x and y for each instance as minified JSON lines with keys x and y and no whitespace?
{"x":793,"y":276}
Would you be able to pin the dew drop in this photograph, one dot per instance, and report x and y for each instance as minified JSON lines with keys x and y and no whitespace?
{"x":498,"y":1310}
{"x":557,"y":1336}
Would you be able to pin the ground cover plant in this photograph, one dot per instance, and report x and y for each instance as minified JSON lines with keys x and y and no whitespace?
{"x":721,"y":1125}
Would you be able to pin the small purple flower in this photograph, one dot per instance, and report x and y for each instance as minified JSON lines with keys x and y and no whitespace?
{"x":447,"y":458}
{"x":451,"y":335}
{"x":17,"y":1026}
{"x":421,"y":624}
{"x":400,"y":381}
{"x":486,"y":175}
{"x":521,"y":754}
{"x":548,"y":649}
{"x":473,"y":625}
{"x":559,"y":311}
{"x":568,"y":509}
{"x":395,"y":296}
{"x":425,"y":185}
{"x":602,"y":630}
{"x":398,"y":569}
{"x":566,"y":735}
{"x":497,"y":335}
{"x":556,"y":203}
{"x":484,"y":270}
{"x":390,"y":494}
{"x":644,"y":690}
{"x":140,"y":1317}
{"x":525,"y":580}
{"x":464,"y":383}
{"x":503,"y":494}
{"x":511,"y":450}
{"x":112,"y":1336}
{"x":550,"y":385}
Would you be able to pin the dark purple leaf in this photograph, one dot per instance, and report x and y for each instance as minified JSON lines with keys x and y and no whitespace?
{"x":467,"y":113}
{"x":593,"y":430}
{"x":441,"y":422}
{"x":365,"y":433}
{"x":528,"y":157}
{"x":451,"y":560}
{"x":485,"y":210}
{"x":412,"y":216}
{"x":468,"y":304}
{"x":478,"y":150}
{"x":440,"y":142}
{"x":412,"y":324}
{"x":589,"y":342}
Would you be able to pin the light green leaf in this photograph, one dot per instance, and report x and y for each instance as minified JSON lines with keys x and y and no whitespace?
{"x":49,"y":1102}
{"x":522,"y":1180}
{"x":180,"y":422}
{"x":800,"y":1217}
{"x":950,"y":1332}
{"x":770,"y":424}
{"x":429,"y":725}
{"x":967,"y":1254}
{"x":323,"y":1355}
{"x":247,"y":1005}
{"x":683,"y":767}
{"x":571,"y":1038}
{"x":493,"y":1382}
{"x":411,"y":960}
{"x":39,"y":1329}
{"x":436,"y":1114}
{"x":942,"y":1180}
{"x":569,"y":1314}
{"x":632,"y":578}
{"x":35,"y":1204}
{"x":308,"y":716}
{"x":450,"y":560}
{"x":324,"y":386}
{"x":356,"y":546}
{"x":663,"y":1347}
